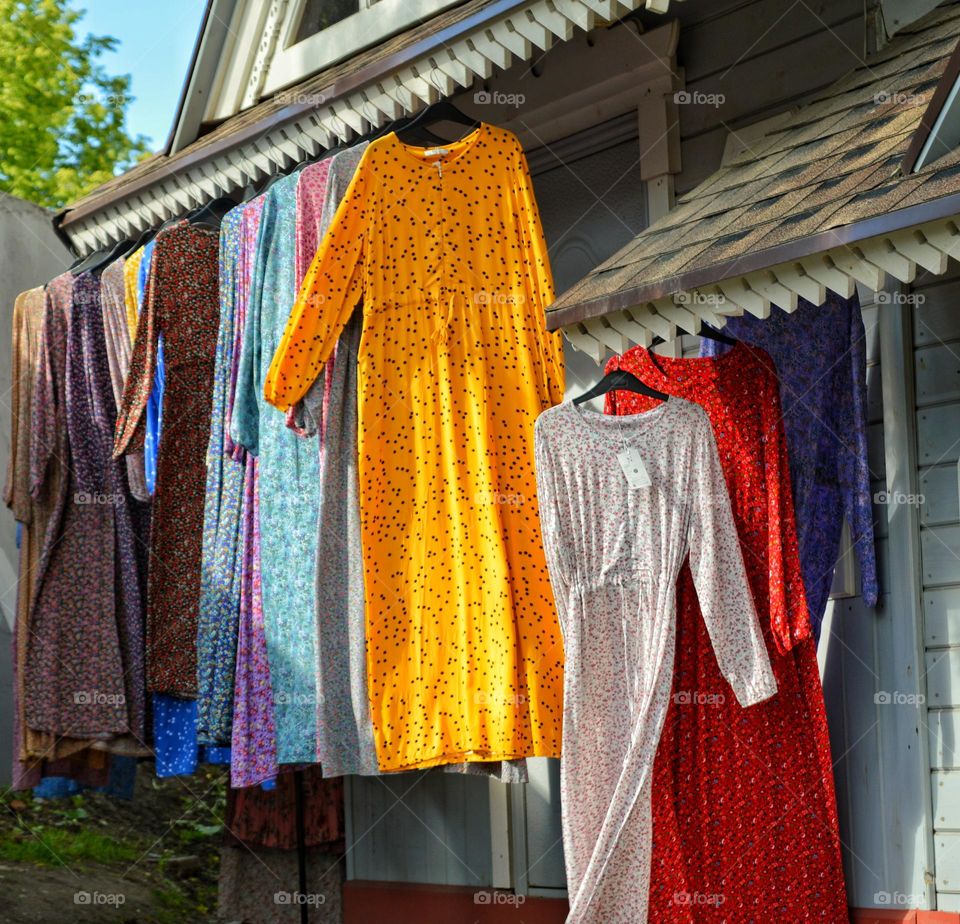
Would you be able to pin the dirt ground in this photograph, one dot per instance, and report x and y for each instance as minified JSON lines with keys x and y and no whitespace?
{"x":91,"y":858}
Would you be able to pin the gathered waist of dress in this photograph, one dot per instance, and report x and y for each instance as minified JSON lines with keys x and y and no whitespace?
{"x":464,"y":296}
{"x":620,"y":578}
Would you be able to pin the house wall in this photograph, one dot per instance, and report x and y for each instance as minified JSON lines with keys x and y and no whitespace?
{"x":935,"y":329}
{"x":872,"y":668}
{"x":30,"y":255}
{"x":757,"y":56}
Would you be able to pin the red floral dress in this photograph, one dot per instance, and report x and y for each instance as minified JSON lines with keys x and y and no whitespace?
{"x":744,"y":809}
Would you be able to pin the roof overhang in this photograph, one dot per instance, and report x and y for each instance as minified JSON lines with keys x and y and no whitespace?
{"x":808,"y":200}
{"x":319,"y":115}
{"x":921,"y":236}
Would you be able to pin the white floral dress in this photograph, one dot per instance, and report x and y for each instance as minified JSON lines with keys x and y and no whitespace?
{"x":614,"y":550}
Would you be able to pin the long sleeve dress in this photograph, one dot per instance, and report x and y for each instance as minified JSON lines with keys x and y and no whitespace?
{"x":743,"y":800}
{"x":329,"y":411}
{"x":254,"y":736}
{"x":220,"y":573}
{"x":288,"y":482}
{"x":455,"y":364}
{"x":98,"y":473}
{"x":32,"y":514}
{"x":25,"y":349}
{"x":820,"y":355}
{"x":73,"y":677}
{"x":113,"y":297}
{"x":615,"y":550}
{"x":182,"y":302}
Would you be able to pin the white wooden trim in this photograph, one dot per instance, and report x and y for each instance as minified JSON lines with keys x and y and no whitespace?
{"x":906,"y":770}
{"x":898,"y":253}
{"x":245,"y":30}
{"x":266,"y":52}
{"x":944,"y":132}
{"x":337,"y":120}
{"x":295,"y":61}
{"x":518,"y":839}
{"x":500,"y":854}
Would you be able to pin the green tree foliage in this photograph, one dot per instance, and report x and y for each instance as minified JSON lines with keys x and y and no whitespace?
{"x":62,"y":115}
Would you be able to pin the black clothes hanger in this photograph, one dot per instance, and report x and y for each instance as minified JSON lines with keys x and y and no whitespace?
{"x":76,"y":263}
{"x":707,"y":331}
{"x":270,"y":180}
{"x":710,"y":333}
{"x":100,"y":258}
{"x":719,"y":336}
{"x":213,"y":212}
{"x":620,"y":380}
{"x":421,"y":136}
{"x":139,"y":242}
{"x":112,"y":254}
{"x":443,"y":111}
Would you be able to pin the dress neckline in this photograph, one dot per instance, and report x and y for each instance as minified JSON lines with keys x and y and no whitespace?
{"x":456,"y":150}
{"x":600,"y":423}
{"x":671,"y":370}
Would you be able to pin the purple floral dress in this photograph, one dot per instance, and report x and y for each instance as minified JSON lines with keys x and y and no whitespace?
{"x":111,"y":476}
{"x":254,"y":737}
{"x":254,"y":749}
{"x":820,"y":357}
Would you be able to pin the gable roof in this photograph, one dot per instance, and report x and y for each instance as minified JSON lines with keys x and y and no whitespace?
{"x":825,"y":175}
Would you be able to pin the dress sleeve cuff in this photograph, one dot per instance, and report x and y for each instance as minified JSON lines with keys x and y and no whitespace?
{"x":755,"y":689}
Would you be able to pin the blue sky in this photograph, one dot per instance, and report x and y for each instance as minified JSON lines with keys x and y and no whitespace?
{"x":155,"y":44}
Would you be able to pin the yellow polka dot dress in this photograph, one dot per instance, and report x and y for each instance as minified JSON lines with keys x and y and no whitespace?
{"x":446,"y":253}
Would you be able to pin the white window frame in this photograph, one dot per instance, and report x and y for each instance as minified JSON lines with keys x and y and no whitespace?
{"x":377,"y":20}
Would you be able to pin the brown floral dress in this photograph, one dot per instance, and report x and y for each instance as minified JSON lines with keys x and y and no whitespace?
{"x":74,"y":673}
{"x":34,"y":516}
{"x":183,"y":302}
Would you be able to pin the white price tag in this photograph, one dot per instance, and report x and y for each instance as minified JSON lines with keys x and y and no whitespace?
{"x":633,"y":468}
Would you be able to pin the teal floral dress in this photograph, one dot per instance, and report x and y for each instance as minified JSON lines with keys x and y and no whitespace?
{"x":288,"y":475}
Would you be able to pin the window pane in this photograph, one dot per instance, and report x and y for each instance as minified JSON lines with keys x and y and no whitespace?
{"x":318,"y":14}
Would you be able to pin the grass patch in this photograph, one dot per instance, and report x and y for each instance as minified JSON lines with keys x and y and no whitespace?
{"x":173,"y":906}
{"x":58,"y":847}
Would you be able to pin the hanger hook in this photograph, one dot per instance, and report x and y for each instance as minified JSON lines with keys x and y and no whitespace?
{"x":342,"y":130}
{"x":436,"y":85}
{"x":365,"y":112}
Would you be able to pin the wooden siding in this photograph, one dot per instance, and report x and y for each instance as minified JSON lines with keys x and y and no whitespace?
{"x":936,"y":332}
